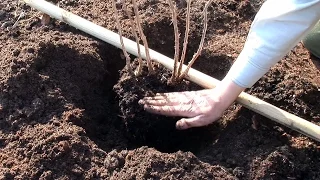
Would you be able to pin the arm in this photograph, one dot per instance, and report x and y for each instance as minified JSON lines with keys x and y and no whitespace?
{"x":278,"y":27}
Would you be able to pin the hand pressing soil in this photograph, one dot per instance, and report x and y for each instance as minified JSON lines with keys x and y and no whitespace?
{"x":150,"y":129}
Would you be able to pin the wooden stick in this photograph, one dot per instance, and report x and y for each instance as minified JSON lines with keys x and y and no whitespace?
{"x":280,"y":116}
{"x":272,"y":112}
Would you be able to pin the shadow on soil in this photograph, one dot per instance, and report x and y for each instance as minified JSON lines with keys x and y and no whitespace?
{"x":62,"y":83}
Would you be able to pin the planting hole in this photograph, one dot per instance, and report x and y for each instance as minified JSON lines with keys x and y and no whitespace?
{"x":77,"y":85}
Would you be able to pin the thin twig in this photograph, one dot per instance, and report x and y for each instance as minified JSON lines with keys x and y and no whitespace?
{"x":139,"y":68}
{"x":22,"y":15}
{"x":175,"y":75}
{"x":121,"y":39}
{"x":143,"y":37}
{"x":204,"y":31}
{"x":186,"y":36}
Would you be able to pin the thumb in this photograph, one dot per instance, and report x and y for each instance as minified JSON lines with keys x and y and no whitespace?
{"x":197,"y":121}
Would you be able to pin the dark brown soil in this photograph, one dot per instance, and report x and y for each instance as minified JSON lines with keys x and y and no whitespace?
{"x":153,"y":130}
{"x":62,"y":118}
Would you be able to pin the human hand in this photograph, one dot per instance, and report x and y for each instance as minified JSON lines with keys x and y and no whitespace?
{"x":199,"y":108}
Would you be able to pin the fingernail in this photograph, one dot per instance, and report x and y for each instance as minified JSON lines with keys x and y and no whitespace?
{"x":179,"y":125}
{"x":141,"y":101}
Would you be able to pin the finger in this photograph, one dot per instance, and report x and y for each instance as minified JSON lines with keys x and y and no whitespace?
{"x":159,"y":102}
{"x":166,"y":94}
{"x":197,"y":121}
{"x":159,"y":97}
{"x":178,"y":96}
{"x":169,"y":110}
{"x":171,"y":96}
{"x":174,"y":94}
{"x":155,"y":98}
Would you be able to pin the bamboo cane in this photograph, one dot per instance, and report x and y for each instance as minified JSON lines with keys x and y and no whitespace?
{"x":272,"y":112}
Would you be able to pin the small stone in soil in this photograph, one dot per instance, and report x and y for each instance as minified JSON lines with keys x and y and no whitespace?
{"x":45,"y":19}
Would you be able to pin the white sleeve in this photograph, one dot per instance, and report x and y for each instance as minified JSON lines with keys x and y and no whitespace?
{"x":277,"y":28}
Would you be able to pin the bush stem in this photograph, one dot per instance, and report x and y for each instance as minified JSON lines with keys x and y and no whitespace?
{"x":204,"y":31}
{"x":128,"y":60}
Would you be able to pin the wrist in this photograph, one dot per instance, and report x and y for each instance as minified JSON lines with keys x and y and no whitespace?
{"x":227,"y":92}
